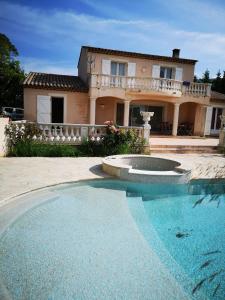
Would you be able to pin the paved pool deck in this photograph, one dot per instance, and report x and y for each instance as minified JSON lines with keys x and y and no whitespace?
{"x":21,"y":175}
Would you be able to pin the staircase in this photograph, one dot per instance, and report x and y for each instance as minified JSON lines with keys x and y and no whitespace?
{"x":182,"y":149}
{"x":176,"y":145}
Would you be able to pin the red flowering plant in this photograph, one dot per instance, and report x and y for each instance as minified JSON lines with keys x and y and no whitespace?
{"x":110,"y":127}
{"x":115,"y":141}
{"x":118,"y":141}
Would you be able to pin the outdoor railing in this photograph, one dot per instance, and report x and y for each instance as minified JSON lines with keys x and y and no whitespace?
{"x":74,"y":133}
{"x":70,"y":133}
{"x":168,"y":86}
{"x":197,"y":89}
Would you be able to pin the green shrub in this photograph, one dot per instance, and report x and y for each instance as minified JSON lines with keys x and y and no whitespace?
{"x":29,"y":148}
{"x":116,"y":141}
{"x":17,"y":132}
{"x":92,"y":148}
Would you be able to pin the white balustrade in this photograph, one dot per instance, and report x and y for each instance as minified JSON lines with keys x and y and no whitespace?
{"x":74,"y":133}
{"x":70,"y":133}
{"x":197,"y":89}
{"x":168,"y":86}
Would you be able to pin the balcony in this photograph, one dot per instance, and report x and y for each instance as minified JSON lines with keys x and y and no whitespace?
{"x":167,"y":87}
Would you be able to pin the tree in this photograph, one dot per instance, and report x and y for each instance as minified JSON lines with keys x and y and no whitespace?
{"x":11,"y":74}
{"x":205,"y":77}
{"x":195,"y":79}
{"x":216,"y":83}
{"x":222,"y":87}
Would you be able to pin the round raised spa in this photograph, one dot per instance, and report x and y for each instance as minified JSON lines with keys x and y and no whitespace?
{"x":144,"y":168}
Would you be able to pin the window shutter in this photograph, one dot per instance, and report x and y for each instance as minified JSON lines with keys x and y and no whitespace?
{"x":106,"y":66}
{"x":155,"y":71}
{"x":208,"y":120}
{"x":179,"y":74}
{"x":43,"y":109}
{"x":131,"y":70}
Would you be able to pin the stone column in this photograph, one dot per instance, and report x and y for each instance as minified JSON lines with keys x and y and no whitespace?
{"x":147,"y":127}
{"x":126,"y":113}
{"x":175,"y":118}
{"x":92,"y":110}
{"x":208,"y":90}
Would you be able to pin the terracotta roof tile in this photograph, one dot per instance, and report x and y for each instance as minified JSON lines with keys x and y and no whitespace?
{"x":139,"y":55}
{"x":55,"y":81}
{"x":217,"y":95}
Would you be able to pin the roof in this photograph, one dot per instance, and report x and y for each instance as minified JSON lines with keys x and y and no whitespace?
{"x":217,"y":96}
{"x":55,"y":81}
{"x":138,"y":55}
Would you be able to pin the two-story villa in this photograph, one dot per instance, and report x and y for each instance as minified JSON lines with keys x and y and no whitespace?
{"x":117,"y":85}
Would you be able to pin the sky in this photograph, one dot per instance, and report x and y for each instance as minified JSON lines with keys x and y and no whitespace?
{"x":49,"y":34}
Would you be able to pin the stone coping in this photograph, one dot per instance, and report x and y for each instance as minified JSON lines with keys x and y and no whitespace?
{"x":145,"y":168}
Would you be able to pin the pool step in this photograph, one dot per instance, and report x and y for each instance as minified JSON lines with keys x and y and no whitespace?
{"x":182,"y":149}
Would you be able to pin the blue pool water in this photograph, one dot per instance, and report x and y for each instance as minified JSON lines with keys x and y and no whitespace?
{"x":191,"y":227}
{"x":81,"y":243}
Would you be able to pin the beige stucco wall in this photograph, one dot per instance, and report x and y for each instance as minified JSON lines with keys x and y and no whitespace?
{"x":187,"y":113}
{"x":105,"y":110}
{"x":82,"y":65}
{"x":76,"y":105}
{"x":199,"y":124}
{"x":188,"y":69}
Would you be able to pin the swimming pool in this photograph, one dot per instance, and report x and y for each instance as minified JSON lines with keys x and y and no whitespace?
{"x":111,"y":239}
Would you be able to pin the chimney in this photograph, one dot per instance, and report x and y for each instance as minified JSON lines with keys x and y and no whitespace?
{"x":176,"y":53}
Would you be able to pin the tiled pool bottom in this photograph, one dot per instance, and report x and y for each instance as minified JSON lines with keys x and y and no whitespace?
{"x":94,"y":240}
{"x":187,"y":230}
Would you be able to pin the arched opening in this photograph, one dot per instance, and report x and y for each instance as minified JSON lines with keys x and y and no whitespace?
{"x":187,"y":118}
{"x":161,"y":122}
{"x":106,"y":109}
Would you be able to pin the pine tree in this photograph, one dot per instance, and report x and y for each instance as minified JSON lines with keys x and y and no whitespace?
{"x":216,"y":83}
{"x":195,"y":79}
{"x":222,"y":88}
{"x":206,"y":77}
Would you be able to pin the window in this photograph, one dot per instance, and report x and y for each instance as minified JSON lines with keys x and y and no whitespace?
{"x":118,"y":68}
{"x":216,"y":122}
{"x":166,"y":72}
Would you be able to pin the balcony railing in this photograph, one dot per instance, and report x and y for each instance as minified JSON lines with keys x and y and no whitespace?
{"x":166,"y":86}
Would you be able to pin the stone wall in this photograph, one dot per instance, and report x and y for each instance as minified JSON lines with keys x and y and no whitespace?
{"x":3,"y":123}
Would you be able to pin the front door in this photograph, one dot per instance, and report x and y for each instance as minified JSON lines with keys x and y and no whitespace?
{"x":57,"y":109}
{"x":216,"y":122}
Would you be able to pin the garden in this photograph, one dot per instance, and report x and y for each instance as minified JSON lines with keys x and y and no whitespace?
{"x":21,"y":143}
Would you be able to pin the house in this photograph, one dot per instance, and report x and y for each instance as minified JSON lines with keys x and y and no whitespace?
{"x":116,"y":85}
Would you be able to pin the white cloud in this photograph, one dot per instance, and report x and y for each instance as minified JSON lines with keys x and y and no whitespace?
{"x":46,"y":66}
{"x":58,"y":35}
